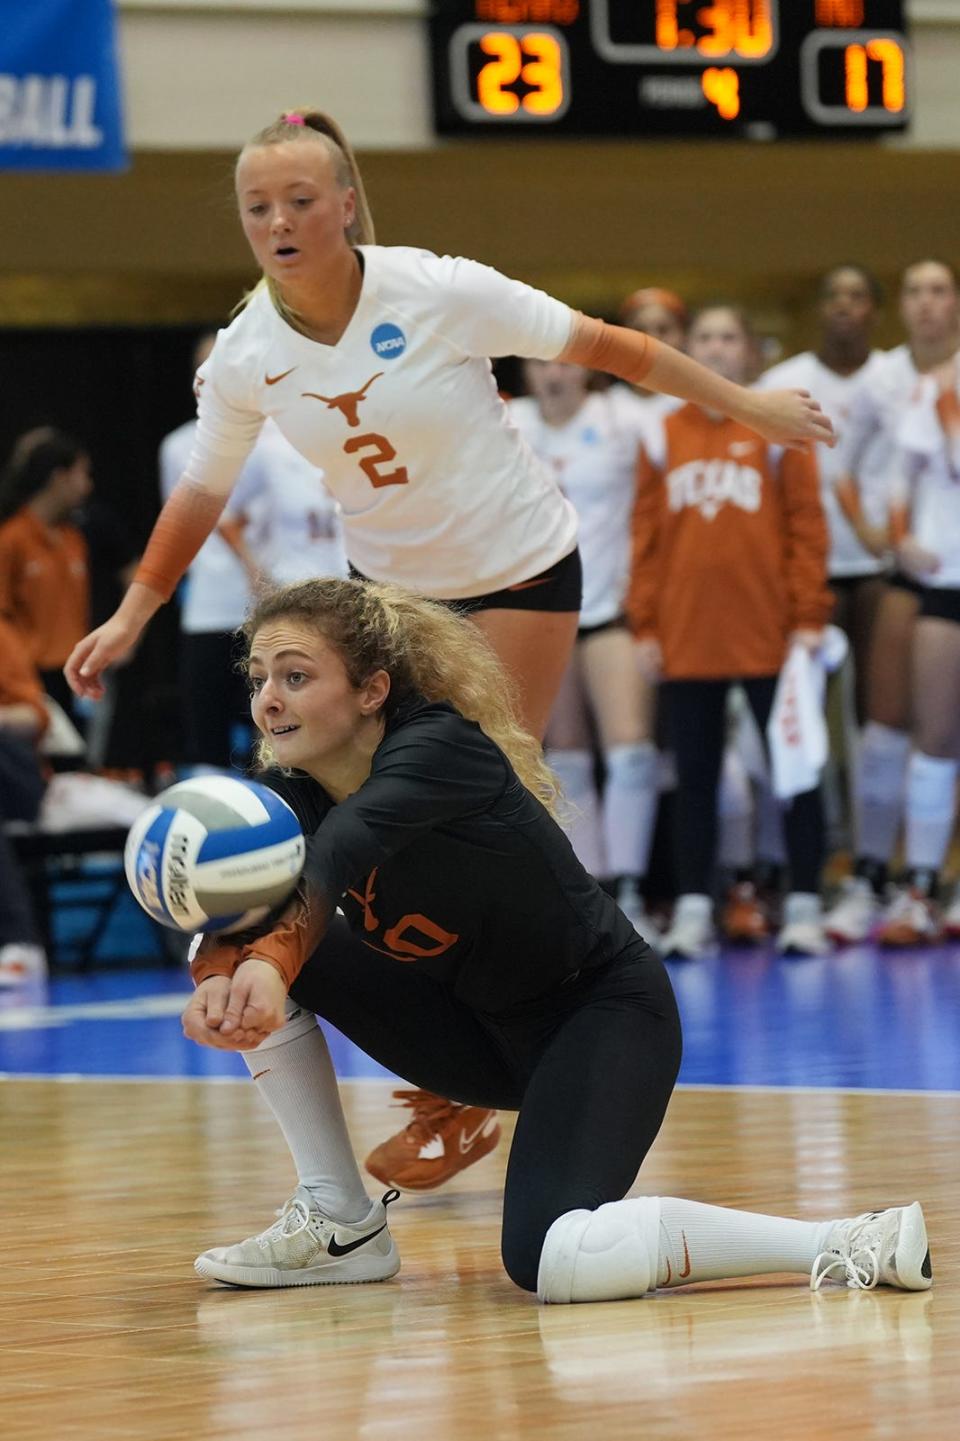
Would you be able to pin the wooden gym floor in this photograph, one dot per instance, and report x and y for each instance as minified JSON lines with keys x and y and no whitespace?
{"x":109,"y":1188}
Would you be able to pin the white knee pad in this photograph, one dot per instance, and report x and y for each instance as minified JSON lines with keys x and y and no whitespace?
{"x":882,"y":761}
{"x":610,"y":1254}
{"x":633,"y":766}
{"x":574,"y":770}
{"x":931,"y":782}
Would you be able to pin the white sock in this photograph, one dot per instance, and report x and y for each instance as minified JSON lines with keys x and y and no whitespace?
{"x":879,"y":775}
{"x":627,"y":1248}
{"x":930,"y":807}
{"x":711,"y":1243}
{"x":630,"y":800}
{"x":295,"y":1076}
{"x":574,"y":770}
{"x":735,"y":849}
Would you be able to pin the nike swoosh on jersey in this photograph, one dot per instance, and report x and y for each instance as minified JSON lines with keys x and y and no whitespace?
{"x":273,"y":379}
{"x":335,"y":1249}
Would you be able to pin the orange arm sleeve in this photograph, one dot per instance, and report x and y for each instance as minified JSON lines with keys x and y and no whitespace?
{"x":292,"y":941}
{"x":810,"y":599}
{"x":644,"y":568}
{"x":182,"y":526}
{"x":216,"y":956}
{"x":287,"y":947}
{"x":627,"y":354}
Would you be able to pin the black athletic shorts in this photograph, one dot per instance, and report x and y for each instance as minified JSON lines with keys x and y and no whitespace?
{"x":847,"y":584}
{"x":901,"y":581}
{"x":940,"y":604}
{"x":558,"y":588}
{"x":617,"y":622}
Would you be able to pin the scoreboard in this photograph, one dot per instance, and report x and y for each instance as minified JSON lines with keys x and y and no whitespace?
{"x":660,"y":68}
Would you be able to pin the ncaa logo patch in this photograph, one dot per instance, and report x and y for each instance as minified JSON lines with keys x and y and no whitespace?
{"x":388,"y":341}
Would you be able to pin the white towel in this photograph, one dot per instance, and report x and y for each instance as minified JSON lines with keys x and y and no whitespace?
{"x":797,"y":729}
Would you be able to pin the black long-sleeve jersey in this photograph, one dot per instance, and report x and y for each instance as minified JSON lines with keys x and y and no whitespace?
{"x":444,"y":860}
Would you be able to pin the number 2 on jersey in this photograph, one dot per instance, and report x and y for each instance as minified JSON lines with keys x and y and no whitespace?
{"x":383,"y":454}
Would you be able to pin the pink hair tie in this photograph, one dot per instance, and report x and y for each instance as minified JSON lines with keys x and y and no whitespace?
{"x":292,"y":118}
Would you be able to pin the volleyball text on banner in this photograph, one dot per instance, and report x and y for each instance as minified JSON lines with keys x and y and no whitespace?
{"x":59,"y":86}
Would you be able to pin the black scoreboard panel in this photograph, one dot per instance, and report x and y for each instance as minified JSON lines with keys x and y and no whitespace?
{"x":751,"y":68}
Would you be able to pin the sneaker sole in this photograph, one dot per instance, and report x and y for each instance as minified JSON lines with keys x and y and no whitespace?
{"x":352,"y":1272}
{"x":911,"y":1259}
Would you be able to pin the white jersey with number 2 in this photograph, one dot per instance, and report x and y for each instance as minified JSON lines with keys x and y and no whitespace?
{"x":437,"y":489}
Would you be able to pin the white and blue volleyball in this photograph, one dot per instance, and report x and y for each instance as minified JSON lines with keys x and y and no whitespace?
{"x":215,"y":853}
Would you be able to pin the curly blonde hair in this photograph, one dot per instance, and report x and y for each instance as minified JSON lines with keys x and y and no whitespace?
{"x":313,"y":127}
{"x":426,"y":649}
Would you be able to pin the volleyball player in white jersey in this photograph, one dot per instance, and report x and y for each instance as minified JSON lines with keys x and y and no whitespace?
{"x":590,"y":440}
{"x":930,"y":311}
{"x":849,"y":298}
{"x":848,"y":303}
{"x":374,"y":362}
{"x":925,"y":514}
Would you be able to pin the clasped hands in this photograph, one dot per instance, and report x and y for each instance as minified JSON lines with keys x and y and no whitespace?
{"x":236,"y":1013}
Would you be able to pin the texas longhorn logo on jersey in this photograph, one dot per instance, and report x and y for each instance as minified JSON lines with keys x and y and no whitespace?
{"x":348,"y":404}
{"x":709,"y":485}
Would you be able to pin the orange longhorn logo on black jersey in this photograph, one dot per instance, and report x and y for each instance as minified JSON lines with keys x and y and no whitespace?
{"x":404,"y":940}
{"x":349,"y":403}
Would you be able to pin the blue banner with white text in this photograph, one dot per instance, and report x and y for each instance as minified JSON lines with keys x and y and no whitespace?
{"x":59,"y":86}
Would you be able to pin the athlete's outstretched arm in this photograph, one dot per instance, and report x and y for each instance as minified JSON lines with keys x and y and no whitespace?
{"x":785,"y":417}
{"x":184,"y":523}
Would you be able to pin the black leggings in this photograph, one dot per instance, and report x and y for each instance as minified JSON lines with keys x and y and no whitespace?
{"x":590,"y":1068}
{"x":696,"y":717}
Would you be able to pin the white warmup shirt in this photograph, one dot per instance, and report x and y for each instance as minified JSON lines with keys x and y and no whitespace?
{"x":216,"y":591}
{"x":925,"y":477}
{"x":593,"y":457}
{"x":293,"y":523}
{"x":436,"y":488}
{"x":836,"y":396}
{"x":870,"y":431}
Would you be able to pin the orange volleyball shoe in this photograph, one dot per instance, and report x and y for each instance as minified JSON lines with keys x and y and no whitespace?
{"x":442,"y":1139}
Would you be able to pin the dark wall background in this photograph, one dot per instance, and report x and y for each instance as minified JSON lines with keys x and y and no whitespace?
{"x":117,"y":390}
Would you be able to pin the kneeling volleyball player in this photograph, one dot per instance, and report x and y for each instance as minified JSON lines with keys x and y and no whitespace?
{"x":475,"y":956}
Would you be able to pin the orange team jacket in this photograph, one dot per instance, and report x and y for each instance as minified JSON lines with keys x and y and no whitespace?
{"x":44,"y":586}
{"x":729,"y":549}
{"x":19,"y":682}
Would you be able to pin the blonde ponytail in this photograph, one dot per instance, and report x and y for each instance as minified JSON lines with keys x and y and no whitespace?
{"x":426,"y":648}
{"x":306,"y":125}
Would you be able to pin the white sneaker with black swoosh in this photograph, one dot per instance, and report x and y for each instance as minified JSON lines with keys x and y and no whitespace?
{"x":304,"y":1247}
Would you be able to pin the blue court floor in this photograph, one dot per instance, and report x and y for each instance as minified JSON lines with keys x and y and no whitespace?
{"x":860,"y":1018}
